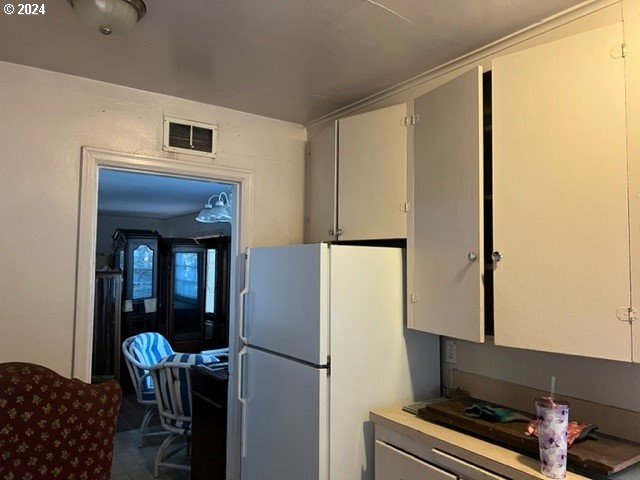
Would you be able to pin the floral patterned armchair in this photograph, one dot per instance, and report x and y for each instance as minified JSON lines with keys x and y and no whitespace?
{"x":52,"y":427}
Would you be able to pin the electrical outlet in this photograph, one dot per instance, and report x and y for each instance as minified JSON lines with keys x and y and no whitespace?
{"x":451,"y":351}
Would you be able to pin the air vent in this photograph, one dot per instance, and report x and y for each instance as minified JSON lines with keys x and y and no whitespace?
{"x":185,"y":136}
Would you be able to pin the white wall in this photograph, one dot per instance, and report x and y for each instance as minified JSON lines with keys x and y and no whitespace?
{"x":107,"y":224}
{"x":600,"y":381}
{"x":45,"y":119}
{"x":186,"y":226}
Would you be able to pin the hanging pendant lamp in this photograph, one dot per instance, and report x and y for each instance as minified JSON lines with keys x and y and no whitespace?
{"x":217,"y":213}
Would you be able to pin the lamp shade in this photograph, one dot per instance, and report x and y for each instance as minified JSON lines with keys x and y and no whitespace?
{"x":109,"y":16}
{"x":217,"y":213}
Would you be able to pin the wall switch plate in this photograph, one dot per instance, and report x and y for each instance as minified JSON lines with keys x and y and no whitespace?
{"x":451,"y":351}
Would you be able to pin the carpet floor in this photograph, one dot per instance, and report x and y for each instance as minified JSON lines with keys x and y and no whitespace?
{"x":131,"y":414}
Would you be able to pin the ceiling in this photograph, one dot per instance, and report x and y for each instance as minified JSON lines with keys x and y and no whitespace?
{"x":295,"y":60}
{"x":152,"y":196}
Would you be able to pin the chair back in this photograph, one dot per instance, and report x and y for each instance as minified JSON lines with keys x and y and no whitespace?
{"x":142,"y":352}
{"x":54,"y":427}
{"x":172,"y":382}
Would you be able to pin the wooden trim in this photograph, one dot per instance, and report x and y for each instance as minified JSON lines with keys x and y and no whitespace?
{"x":469,"y":59}
{"x":612,"y":420}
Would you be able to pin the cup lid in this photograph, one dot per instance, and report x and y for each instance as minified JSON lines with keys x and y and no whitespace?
{"x":548,"y":402}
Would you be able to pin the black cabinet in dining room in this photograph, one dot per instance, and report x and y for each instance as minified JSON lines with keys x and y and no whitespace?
{"x":138,"y":256}
{"x":186,"y":294}
{"x":209,"y":430}
{"x":197,"y":293}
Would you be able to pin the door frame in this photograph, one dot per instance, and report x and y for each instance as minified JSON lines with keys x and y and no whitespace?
{"x":93,"y":159}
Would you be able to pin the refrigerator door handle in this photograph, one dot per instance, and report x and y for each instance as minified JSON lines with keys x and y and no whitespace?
{"x":243,"y":403}
{"x":243,"y":296}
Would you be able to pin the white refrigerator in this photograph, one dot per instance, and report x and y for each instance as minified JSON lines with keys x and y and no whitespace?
{"x":325,"y":342}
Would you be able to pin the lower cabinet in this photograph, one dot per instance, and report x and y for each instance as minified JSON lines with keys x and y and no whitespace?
{"x":394,"y":464}
{"x":209,"y":436}
{"x":402,"y":458}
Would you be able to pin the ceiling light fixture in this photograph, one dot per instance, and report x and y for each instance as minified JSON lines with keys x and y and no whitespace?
{"x":217,"y":213}
{"x":109,"y":16}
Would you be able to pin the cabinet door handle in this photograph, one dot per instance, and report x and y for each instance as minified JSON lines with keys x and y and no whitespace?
{"x":496,"y":257}
{"x":472,"y":256}
{"x":339,"y":232}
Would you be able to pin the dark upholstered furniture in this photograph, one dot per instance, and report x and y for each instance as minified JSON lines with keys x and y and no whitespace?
{"x":52,"y":427}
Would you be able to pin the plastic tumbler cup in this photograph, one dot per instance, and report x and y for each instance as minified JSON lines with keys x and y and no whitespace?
{"x":553,"y":419}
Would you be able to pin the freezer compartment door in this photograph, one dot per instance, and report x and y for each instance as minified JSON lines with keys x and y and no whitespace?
{"x":286,"y":419}
{"x":286,"y":308}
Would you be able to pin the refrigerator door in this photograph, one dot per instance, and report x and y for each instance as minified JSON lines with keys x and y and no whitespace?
{"x":286,"y":309}
{"x":285,"y":419}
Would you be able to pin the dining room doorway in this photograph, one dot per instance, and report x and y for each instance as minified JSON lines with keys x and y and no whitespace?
{"x":95,"y":161}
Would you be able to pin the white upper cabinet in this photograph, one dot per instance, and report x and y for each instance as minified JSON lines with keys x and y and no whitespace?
{"x":320,"y":194}
{"x":372,"y":175}
{"x":560,"y":197}
{"x":445,"y":258}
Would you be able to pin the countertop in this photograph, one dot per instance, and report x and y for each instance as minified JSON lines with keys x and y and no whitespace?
{"x":484,"y":454}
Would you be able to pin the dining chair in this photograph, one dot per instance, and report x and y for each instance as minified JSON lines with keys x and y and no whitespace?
{"x":172,"y":383}
{"x":143,"y":352}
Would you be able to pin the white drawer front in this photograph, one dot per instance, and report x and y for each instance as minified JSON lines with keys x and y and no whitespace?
{"x":393,"y":464}
{"x":466,"y":469}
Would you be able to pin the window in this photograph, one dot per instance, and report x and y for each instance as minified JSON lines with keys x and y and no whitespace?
{"x":210,"y":295}
{"x":142,"y":273}
{"x":186,"y":275}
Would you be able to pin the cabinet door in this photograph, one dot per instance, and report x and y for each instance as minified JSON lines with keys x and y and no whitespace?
{"x":445,"y":260}
{"x":186,"y":302}
{"x":393,"y":464}
{"x":631,"y":13}
{"x":372,"y":175}
{"x":560,"y":197}
{"x":320,"y":185}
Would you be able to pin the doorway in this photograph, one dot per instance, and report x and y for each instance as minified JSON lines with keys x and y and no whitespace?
{"x":163,"y":271}
{"x":93,"y":162}
{"x":158,"y":267}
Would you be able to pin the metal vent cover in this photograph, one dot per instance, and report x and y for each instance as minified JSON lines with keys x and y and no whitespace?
{"x":186,"y":136}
